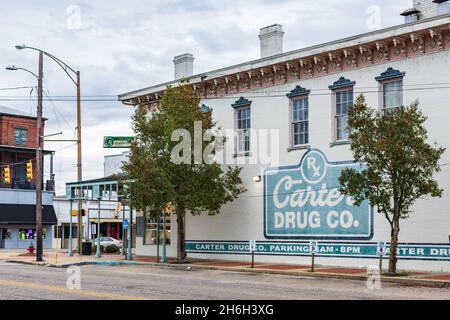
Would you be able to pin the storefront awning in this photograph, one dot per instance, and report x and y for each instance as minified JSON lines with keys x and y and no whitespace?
{"x":25,"y":214}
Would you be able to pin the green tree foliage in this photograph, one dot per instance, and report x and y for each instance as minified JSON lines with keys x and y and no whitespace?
{"x":155,"y":180}
{"x":399,"y":163}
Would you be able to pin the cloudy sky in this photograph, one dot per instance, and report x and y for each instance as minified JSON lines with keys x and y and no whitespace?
{"x":121,"y":46}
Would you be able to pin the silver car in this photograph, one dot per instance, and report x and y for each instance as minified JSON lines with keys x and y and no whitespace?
{"x":106,"y":241}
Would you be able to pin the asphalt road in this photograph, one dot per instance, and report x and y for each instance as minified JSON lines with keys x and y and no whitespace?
{"x":146,"y":282}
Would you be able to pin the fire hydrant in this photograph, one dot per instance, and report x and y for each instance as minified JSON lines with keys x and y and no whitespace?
{"x":30,"y":249}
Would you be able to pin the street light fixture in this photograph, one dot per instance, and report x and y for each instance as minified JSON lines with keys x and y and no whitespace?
{"x":70,"y":72}
{"x":14,"y":68}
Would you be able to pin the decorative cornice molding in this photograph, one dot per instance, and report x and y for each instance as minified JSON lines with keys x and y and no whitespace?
{"x":390,"y":73}
{"x":407,"y":45}
{"x":342,"y":83}
{"x":242,"y":102}
{"x":298,"y":91}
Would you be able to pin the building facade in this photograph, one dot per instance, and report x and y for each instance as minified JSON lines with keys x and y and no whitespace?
{"x":301,"y":99}
{"x":111,"y":214}
{"x":17,"y":185}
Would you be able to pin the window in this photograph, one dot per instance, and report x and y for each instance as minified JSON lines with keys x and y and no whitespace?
{"x":242,"y":126}
{"x":243,"y":130}
{"x":6,"y":234}
{"x":152,"y":232}
{"x":20,"y":136}
{"x":299,"y":118}
{"x":30,"y":234}
{"x":344,"y":100}
{"x":300,"y":121}
{"x":391,"y":86}
{"x":392,"y":95}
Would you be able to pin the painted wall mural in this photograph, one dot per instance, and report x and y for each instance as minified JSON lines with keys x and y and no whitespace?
{"x":304,"y":202}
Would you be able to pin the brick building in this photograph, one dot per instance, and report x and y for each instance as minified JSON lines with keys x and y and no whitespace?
{"x":17,"y":190}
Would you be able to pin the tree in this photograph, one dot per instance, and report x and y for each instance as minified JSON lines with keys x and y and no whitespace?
{"x":399,"y":164}
{"x":157,"y":177}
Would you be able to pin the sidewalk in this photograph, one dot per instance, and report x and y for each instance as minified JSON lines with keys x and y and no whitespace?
{"x":60,"y":259}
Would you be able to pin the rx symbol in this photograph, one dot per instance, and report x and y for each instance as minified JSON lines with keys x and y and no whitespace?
{"x":312,"y":164}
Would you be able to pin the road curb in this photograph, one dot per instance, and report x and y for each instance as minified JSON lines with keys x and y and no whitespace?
{"x":323,"y":275}
{"x":80,"y":263}
{"x":386,"y":279}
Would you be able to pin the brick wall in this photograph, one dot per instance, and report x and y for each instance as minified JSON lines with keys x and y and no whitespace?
{"x":427,"y":7}
{"x":7,"y":125}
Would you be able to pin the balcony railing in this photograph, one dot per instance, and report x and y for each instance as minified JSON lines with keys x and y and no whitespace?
{"x":26,"y":185}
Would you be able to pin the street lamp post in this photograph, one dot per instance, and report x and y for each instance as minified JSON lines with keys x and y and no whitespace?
{"x":39,"y":144}
{"x":77,"y":80}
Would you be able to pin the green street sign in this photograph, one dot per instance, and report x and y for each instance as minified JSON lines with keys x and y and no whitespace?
{"x":117,"y":142}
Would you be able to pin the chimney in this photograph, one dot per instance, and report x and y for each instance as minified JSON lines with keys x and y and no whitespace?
{"x":424,"y":9}
{"x":184,"y":66}
{"x":271,"y":40}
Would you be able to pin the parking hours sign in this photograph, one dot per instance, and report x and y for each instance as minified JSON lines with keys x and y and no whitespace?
{"x":304,"y":202}
{"x":381,"y":248}
{"x":252,"y":245}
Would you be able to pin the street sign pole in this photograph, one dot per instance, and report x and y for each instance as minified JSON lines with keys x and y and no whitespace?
{"x":381,"y":250}
{"x":313,"y":248}
{"x":164,"y":249}
{"x":70,"y":231}
{"x":122,"y":249}
{"x":99,"y":251}
{"x":252,"y":248}
{"x":130,"y":235}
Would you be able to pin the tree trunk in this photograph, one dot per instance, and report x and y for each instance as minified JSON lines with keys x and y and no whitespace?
{"x":394,"y":245}
{"x":181,"y":253}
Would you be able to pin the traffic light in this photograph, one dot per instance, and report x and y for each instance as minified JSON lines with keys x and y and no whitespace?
{"x":75,"y":213}
{"x":6,"y":176}
{"x":29,"y":171}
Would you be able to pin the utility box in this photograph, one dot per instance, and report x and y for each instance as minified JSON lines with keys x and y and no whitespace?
{"x":86,"y":249}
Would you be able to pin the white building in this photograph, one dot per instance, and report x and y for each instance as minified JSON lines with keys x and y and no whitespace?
{"x":303,"y":95}
{"x":113,"y":163}
{"x":111,"y":211}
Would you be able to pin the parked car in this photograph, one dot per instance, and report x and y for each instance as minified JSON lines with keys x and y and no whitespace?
{"x":106,"y":241}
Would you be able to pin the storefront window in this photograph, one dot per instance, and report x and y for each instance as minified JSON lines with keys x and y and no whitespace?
{"x":30,"y":234}
{"x":151,"y":231}
{"x":6,"y":234}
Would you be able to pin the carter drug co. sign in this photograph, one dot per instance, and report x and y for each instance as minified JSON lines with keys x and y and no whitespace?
{"x":304,"y":202}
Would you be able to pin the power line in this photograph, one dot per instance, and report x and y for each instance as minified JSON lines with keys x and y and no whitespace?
{"x":262,"y":94}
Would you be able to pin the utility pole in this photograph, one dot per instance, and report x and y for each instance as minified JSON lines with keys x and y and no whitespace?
{"x":39,"y":134}
{"x":69,"y":72}
{"x":79,"y":161}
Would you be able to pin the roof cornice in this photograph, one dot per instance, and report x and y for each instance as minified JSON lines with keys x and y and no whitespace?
{"x":377,"y":47}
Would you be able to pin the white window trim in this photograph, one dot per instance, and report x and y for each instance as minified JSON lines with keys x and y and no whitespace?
{"x":237,"y":152}
{"x":334,"y":116}
{"x":381,"y":90}
{"x":292,"y":145}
